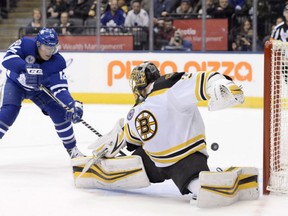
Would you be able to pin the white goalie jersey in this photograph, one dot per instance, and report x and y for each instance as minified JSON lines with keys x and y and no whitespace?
{"x":168,"y":126}
{"x":168,"y":123}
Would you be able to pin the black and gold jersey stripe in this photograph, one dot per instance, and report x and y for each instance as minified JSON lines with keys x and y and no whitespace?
{"x":201,"y":85}
{"x":131,"y":137}
{"x":180,"y":151}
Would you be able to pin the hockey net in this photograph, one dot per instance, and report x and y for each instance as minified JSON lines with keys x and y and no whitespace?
{"x":275,"y":161}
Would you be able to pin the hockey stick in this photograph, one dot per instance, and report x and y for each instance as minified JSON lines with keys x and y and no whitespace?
{"x":96,"y":157}
{"x":50,"y":94}
{"x":69,"y":62}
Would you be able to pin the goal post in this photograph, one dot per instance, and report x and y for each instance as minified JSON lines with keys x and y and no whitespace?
{"x":275,"y":128}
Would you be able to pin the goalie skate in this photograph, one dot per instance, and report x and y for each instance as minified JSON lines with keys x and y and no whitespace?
{"x":225,"y":188}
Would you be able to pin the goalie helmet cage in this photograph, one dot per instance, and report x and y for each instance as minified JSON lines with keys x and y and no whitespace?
{"x":275,"y":128}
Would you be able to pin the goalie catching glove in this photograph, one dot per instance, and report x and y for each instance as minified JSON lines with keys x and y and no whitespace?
{"x":223,"y":92}
{"x":110,"y":144}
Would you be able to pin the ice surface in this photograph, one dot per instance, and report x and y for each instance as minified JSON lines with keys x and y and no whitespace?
{"x":36,"y":177}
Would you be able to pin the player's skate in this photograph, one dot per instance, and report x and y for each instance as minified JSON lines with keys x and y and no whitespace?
{"x":75,"y":153}
{"x":225,"y":188}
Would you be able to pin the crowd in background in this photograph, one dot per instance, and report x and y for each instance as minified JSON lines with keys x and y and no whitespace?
{"x":74,"y":17}
{"x":4,"y":8}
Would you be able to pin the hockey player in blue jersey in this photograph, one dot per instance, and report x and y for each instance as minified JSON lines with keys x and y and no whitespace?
{"x":32,"y":63}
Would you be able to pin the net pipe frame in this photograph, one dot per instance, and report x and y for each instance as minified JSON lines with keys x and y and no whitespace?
{"x":275,"y":165}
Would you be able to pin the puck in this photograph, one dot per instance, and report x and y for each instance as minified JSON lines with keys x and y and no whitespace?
{"x":214,"y":146}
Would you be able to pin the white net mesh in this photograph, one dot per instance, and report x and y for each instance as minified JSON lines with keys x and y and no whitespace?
{"x":278,"y":181}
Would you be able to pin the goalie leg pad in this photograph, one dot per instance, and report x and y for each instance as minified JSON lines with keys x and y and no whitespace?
{"x":225,"y":188}
{"x":125,"y":172}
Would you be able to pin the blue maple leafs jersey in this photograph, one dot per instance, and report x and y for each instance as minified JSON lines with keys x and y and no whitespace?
{"x":25,"y":51}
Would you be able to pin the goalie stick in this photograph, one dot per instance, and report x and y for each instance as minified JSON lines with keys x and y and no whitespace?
{"x":49,"y":93}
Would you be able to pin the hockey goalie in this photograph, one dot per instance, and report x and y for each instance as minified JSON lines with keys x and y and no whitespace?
{"x":166,"y":135}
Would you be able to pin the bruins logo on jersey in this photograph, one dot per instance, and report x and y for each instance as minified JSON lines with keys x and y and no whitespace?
{"x":146,"y":125}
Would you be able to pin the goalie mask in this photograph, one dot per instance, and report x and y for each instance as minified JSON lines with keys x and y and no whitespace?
{"x":141,"y":76}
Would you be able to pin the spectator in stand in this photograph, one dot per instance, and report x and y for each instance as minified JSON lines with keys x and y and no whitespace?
{"x":243,"y":40}
{"x":223,"y":10}
{"x":176,"y":39}
{"x":145,"y":4}
{"x":79,"y":9}
{"x":93,"y":9}
{"x":184,"y":9}
{"x":56,"y":7}
{"x":276,"y":8}
{"x":163,"y":33}
{"x":237,"y":4}
{"x":210,"y":7}
{"x":123,"y":5}
{"x":263,"y":12}
{"x":178,"y":43}
{"x":137,"y":20}
{"x":137,"y":16}
{"x":114,"y":16}
{"x":34,"y":26}
{"x":162,"y":8}
{"x":65,"y":26}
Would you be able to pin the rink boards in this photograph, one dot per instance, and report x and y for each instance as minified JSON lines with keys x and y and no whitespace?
{"x":103,"y":77}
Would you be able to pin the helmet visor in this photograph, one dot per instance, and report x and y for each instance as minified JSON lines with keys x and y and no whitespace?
{"x":50,"y":49}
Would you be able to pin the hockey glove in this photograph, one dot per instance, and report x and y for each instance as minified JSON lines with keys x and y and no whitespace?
{"x":223,"y":92}
{"x":109,"y":145}
{"x":75,"y":112}
{"x":31,"y":78}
